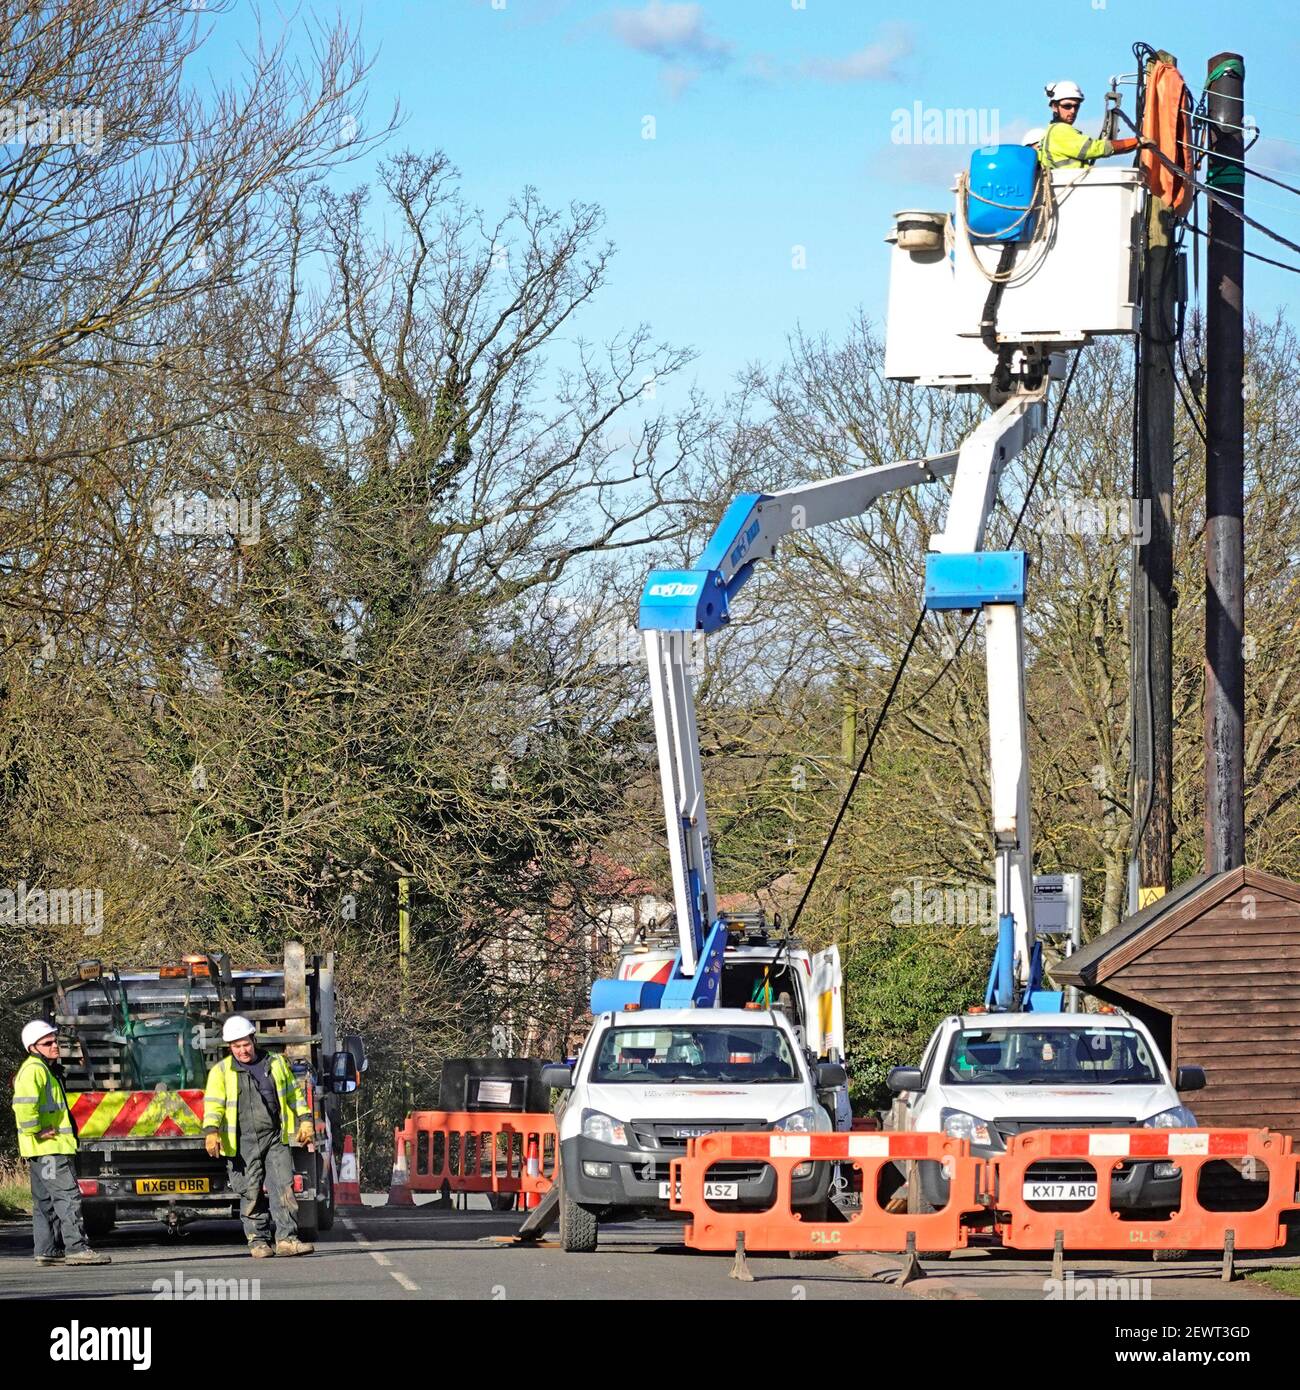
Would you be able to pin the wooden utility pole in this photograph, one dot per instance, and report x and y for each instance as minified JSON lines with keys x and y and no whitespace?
{"x":404,"y":973}
{"x":1225,"y":671}
{"x":1151,"y":605}
{"x":849,"y":759}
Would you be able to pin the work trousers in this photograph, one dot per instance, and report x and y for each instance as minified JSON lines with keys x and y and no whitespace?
{"x":57,"y":1227}
{"x":264,"y":1159}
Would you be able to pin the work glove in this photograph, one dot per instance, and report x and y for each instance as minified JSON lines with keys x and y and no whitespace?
{"x":212,"y":1142}
{"x":1125,"y":145}
{"x":306,"y":1131}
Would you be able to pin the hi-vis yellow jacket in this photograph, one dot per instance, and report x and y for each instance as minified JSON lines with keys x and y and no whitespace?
{"x":1064,"y":147}
{"x":40,"y":1103}
{"x":221,"y":1097}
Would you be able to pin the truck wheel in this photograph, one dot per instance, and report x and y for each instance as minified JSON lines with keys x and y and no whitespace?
{"x":578,"y":1226}
{"x":98,"y":1218}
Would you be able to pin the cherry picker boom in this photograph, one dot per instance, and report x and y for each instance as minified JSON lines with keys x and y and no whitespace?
{"x":677,"y":604}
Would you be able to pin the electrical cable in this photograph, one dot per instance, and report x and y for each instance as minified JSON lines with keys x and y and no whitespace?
{"x":862,"y":763}
{"x":1212,"y":193}
{"x":1047,"y":444}
{"x":1256,"y":169}
{"x":1254,"y":255}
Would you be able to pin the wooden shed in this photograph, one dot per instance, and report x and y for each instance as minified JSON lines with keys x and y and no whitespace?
{"x":1213,"y":969}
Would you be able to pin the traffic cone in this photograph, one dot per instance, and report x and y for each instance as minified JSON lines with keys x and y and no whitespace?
{"x":534,"y":1169}
{"x":399,"y":1189}
{"x":347,"y":1186}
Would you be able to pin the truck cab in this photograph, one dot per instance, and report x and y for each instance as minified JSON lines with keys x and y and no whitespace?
{"x":647,"y":1081}
{"x":761,"y":967}
{"x":988,"y":1076}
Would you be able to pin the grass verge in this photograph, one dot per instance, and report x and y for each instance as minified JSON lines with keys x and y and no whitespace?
{"x":1285,"y":1281}
{"x":15,"y":1189}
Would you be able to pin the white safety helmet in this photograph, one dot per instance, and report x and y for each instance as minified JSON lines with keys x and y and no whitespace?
{"x":1064,"y":91}
{"x":37,"y":1029}
{"x":236,"y":1027}
{"x":1033,"y":137}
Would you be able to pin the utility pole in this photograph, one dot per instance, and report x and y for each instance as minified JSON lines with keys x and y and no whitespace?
{"x":1151,"y":605}
{"x":1225,"y":671}
{"x":849,"y":759}
{"x":404,"y":972}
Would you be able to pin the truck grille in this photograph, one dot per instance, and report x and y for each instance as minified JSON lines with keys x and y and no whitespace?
{"x":1007,"y":1128}
{"x":672,"y":1136}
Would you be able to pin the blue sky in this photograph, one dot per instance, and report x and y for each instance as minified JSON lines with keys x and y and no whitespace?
{"x":773,"y":125}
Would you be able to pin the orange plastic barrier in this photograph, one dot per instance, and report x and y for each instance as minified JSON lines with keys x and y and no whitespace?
{"x":781,"y":1228}
{"x":1191,"y":1227}
{"x":479,"y":1151}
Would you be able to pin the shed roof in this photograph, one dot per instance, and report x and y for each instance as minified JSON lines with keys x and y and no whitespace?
{"x":1143,"y":929}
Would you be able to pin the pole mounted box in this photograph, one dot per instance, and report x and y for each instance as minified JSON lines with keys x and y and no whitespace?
{"x":971,"y":581}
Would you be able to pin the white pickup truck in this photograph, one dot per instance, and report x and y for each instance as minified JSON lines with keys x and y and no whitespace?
{"x":646,"y":1081}
{"x":986,"y":1077}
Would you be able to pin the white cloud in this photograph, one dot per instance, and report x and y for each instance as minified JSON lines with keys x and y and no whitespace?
{"x":876,"y":62}
{"x":668,"y":31}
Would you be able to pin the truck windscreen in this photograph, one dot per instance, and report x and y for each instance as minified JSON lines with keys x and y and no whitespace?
{"x":644,"y":1055}
{"x":1050,"y":1056}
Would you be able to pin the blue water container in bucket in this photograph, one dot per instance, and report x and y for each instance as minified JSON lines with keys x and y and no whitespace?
{"x":1000,"y":193}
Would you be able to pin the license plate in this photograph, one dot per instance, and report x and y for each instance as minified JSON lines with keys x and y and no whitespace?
{"x":1060,"y":1192}
{"x":162,"y":1187}
{"x":713,"y":1191}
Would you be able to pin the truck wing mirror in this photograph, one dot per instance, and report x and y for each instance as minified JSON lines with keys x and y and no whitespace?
{"x":904,"y":1079}
{"x":1190,"y":1078}
{"x":343,"y":1073}
{"x":354,"y":1043}
{"x":830,"y":1075}
{"x":558,"y":1076}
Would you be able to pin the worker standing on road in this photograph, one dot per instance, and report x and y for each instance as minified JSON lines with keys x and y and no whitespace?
{"x":1064,"y":147}
{"x":47,"y":1139}
{"x":253,"y":1109}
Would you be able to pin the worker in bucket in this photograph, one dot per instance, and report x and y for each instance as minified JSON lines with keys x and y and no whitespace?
{"x":47,"y":1139}
{"x":1064,"y":147}
{"x":253,"y":1109}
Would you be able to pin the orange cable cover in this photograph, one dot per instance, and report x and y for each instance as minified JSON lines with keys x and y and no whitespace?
{"x":1166,"y":123}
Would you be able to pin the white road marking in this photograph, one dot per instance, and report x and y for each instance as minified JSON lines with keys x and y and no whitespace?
{"x":379,"y":1257}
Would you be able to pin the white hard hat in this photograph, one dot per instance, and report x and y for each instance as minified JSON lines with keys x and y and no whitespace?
{"x":1034,"y":136}
{"x":1064,"y":91}
{"x":37,"y":1029}
{"x":236,"y":1027}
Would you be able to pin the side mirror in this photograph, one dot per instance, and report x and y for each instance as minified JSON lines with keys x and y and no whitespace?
{"x":904,"y":1079}
{"x":830,"y":1075}
{"x":558,"y":1076}
{"x":355,"y":1044}
{"x":1189,"y":1079}
{"x":343,"y":1073}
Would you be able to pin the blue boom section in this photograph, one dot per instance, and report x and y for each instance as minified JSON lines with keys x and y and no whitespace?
{"x":699,"y":600}
{"x":699,"y":991}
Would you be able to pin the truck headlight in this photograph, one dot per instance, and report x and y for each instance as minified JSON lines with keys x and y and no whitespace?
{"x":1177,"y":1117}
{"x":958,"y":1124}
{"x":604,"y":1129}
{"x":810,"y":1120}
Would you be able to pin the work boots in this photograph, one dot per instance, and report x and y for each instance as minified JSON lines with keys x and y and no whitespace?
{"x":294,"y":1247}
{"x":261,"y":1250}
{"x":87,"y":1257}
